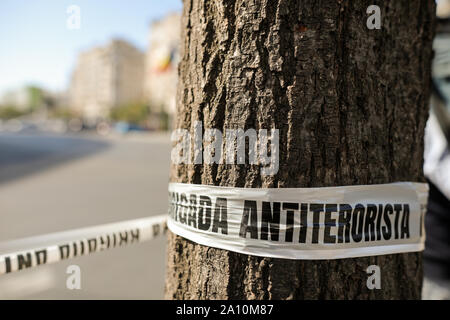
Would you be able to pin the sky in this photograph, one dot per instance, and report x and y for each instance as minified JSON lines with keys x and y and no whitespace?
{"x":37,"y":47}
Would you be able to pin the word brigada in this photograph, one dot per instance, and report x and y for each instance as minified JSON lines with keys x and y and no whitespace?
{"x":317,"y":222}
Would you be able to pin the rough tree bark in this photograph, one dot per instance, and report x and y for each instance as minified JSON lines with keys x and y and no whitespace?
{"x":350,"y":104}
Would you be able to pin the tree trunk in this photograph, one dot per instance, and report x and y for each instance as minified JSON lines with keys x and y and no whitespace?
{"x":350,"y":104}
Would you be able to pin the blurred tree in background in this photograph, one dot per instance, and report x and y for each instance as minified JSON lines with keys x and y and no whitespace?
{"x":63,"y":113}
{"x":35,"y":96}
{"x":134,"y":113}
{"x":10,"y":112}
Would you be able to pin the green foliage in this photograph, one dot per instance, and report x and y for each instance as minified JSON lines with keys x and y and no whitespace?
{"x":164,"y":120}
{"x":63,"y":113}
{"x":134,"y":113}
{"x":36,"y":97}
{"x":10,"y":112}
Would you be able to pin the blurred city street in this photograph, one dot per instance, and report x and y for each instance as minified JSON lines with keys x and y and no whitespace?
{"x":84,"y":122}
{"x":51,"y":183}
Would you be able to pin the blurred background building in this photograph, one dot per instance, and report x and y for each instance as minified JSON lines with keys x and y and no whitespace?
{"x":105,"y":78}
{"x":115,"y":86}
{"x":161,"y":64}
{"x":118,"y":81}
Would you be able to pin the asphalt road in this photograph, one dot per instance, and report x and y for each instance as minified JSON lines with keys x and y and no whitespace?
{"x":54,"y":183}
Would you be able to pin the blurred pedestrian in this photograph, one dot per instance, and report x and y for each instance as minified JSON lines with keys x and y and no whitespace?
{"x":437,"y":167}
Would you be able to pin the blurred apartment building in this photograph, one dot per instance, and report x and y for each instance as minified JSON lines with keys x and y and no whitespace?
{"x":118,"y":74}
{"x":107,"y":77}
{"x":161,"y":64}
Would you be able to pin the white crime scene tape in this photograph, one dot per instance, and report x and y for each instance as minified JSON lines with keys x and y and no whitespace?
{"x":302,"y":223}
{"x":40,"y":250}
